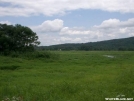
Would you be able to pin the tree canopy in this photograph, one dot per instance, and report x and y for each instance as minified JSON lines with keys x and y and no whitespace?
{"x":17,"y":38}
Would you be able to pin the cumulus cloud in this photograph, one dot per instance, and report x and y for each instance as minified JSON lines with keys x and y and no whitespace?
{"x":74,"y":31}
{"x":113,"y":23}
{"x":49,"y":26}
{"x":54,"y":32}
{"x":70,"y":40}
{"x":115,"y":28}
{"x":109,"y":23}
{"x":47,"y":39}
{"x":52,"y":7}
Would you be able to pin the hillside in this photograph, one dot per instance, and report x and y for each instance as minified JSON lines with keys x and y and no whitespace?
{"x":115,"y":44}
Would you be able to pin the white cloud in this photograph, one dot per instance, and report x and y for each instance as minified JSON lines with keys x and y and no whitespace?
{"x":70,"y":40}
{"x":109,"y":23}
{"x":113,"y":23}
{"x":51,"y":7}
{"x":49,"y":26}
{"x":115,"y":28}
{"x":5,"y":22}
{"x":47,"y":39}
{"x":77,"y":40}
{"x":54,"y":32}
{"x":74,"y":31}
{"x":123,"y":30}
{"x":65,"y":39}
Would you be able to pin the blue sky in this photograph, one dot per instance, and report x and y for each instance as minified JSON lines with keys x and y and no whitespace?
{"x":71,"y":21}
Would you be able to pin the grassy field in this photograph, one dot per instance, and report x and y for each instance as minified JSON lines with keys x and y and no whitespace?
{"x":72,"y":76}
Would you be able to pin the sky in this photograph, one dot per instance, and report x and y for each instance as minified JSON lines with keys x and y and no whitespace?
{"x":71,"y":21}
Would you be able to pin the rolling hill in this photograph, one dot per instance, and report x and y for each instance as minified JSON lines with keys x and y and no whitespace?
{"x":115,"y":44}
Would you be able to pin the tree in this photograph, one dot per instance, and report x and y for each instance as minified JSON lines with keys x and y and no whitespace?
{"x":17,"y":38}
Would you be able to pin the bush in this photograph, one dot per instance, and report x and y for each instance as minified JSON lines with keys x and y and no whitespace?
{"x":33,"y":55}
{"x":41,"y":55}
{"x":14,"y":54}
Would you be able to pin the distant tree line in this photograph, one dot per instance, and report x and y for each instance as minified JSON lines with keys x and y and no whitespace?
{"x":125,"y":44}
{"x":17,"y":38}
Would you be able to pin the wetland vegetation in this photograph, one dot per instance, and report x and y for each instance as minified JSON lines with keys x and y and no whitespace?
{"x":67,"y":76}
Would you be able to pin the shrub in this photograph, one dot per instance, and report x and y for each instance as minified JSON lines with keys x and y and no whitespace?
{"x":41,"y":55}
{"x":33,"y":55}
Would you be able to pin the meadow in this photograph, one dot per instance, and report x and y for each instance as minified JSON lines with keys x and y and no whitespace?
{"x":67,"y":76}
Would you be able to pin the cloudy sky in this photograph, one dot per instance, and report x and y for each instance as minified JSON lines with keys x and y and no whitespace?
{"x":71,"y":21}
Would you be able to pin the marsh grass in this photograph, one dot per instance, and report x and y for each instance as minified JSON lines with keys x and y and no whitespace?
{"x":69,"y":76}
{"x":40,"y":55}
{"x":12,"y":67}
{"x":33,"y":55}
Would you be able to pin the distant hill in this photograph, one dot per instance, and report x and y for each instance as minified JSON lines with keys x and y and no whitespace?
{"x":115,"y":44}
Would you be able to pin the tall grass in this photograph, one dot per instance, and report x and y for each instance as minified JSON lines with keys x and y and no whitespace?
{"x":35,"y":55}
{"x":74,"y":76}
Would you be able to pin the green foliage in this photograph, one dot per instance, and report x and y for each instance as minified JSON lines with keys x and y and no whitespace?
{"x":17,"y":38}
{"x":35,"y":55}
{"x":40,"y":55}
{"x":74,"y":76}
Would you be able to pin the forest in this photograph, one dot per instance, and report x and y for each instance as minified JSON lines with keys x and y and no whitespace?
{"x":124,"y":44}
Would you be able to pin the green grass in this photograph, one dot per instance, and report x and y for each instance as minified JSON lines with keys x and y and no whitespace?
{"x":73,"y":76}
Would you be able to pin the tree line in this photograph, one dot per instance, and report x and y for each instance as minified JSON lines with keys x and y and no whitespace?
{"x":124,"y":44}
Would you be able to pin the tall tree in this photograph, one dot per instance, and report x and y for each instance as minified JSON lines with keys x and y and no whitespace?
{"x":17,"y":38}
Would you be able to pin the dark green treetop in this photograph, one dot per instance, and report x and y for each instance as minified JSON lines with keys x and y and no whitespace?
{"x":17,"y":38}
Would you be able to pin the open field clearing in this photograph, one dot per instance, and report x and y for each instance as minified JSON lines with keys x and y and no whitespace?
{"x":72,"y":76}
